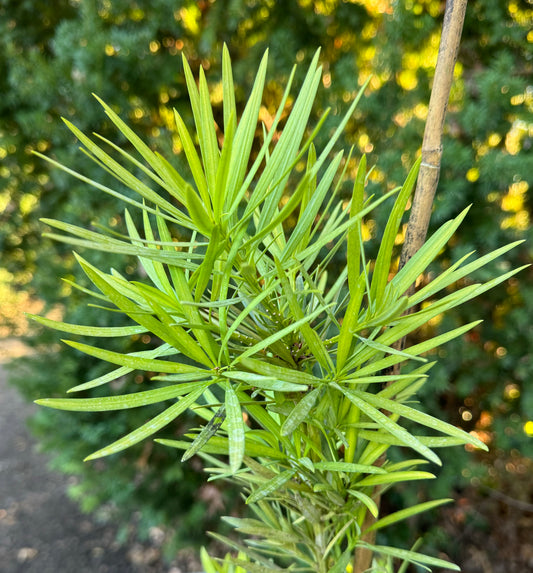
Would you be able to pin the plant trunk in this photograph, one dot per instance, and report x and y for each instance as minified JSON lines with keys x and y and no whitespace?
{"x":428,"y":178}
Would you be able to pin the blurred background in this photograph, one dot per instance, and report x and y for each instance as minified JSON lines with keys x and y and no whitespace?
{"x":54,"y":55}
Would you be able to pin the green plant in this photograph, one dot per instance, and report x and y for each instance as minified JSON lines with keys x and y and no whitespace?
{"x":289,"y":368}
{"x":211,"y":565}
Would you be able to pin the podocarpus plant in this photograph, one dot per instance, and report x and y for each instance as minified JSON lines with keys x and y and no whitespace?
{"x":289,"y":368}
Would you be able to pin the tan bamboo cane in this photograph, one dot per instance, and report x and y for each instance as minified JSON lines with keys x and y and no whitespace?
{"x":428,"y":178}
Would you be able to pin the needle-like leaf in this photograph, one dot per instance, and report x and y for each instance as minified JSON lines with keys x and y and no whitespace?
{"x":300,"y":412}
{"x":150,"y":427}
{"x":387,"y":424}
{"x":235,"y":428}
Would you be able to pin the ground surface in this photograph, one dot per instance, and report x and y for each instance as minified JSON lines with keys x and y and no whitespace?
{"x":41,"y":529}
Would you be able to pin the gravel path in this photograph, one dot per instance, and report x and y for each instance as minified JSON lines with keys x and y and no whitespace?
{"x":41,"y":529}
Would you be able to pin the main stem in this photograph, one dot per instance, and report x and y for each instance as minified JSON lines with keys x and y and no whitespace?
{"x":428,"y":178}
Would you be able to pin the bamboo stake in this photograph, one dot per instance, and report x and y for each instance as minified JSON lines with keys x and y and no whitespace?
{"x":427,"y":181}
{"x":428,"y":176}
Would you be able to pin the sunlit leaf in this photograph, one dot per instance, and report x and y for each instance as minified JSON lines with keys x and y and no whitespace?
{"x":235,"y":428}
{"x":279,"y":372}
{"x":207,"y":432}
{"x":150,"y":427}
{"x":100,"y":331}
{"x":406,"y":513}
{"x":418,"y":417}
{"x":193,"y":160}
{"x":411,"y":556}
{"x":122,"y":402}
{"x":220,"y":445}
{"x":264,"y":382}
{"x":134,"y":362}
{"x":384,"y":258}
{"x":121,"y":173}
{"x":366,"y":500}
{"x":418,"y":263}
{"x":394,"y":477}
{"x":387,"y":424}
{"x":353,"y":253}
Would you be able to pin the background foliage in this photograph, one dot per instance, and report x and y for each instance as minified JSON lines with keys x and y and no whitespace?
{"x":127,"y":52}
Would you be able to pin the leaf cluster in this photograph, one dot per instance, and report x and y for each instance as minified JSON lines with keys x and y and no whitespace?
{"x":290,"y":372}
